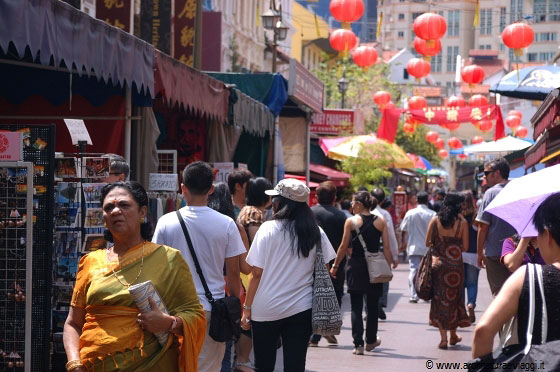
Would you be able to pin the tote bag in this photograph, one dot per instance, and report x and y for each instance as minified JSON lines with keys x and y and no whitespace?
{"x":326,"y":319}
{"x":378,"y":269}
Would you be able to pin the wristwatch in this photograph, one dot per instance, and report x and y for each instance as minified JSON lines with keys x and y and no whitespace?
{"x":246,"y":307}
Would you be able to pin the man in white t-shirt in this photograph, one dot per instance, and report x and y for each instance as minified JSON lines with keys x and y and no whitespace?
{"x":216,"y":240}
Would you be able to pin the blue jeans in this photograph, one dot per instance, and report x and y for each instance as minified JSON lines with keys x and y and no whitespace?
{"x":414,"y":262}
{"x":471,"y":283}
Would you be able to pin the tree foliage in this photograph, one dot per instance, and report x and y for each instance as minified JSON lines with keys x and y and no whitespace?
{"x":370,"y":167}
{"x":416,"y":143}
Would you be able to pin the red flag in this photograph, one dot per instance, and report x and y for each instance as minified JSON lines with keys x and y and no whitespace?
{"x":389,"y":124}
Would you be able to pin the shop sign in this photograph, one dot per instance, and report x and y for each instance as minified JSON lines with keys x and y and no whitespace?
{"x":155,"y":23}
{"x":163,"y":182}
{"x":335,"y":122}
{"x":222,"y":171}
{"x":400,"y":203}
{"x":304,"y":86}
{"x":11,"y":148}
{"x":427,"y":91}
{"x":78,"y":131}
{"x":114,"y":12}
{"x":184,"y":31}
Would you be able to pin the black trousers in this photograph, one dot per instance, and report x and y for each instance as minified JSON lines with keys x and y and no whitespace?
{"x":294,"y":330}
{"x":372,"y":307}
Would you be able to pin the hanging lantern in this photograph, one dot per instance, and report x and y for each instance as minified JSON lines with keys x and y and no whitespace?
{"x":515,"y":113}
{"x":462,"y":156}
{"x":518,"y":36}
{"x":476,"y":140}
{"x":443,"y":153}
{"x":418,"y":68}
{"x":478,"y":100}
{"x":390,"y":105}
{"x":452,"y":126}
{"x":440,"y":143}
{"x":513,"y":121}
{"x":455,"y":101}
{"x":485,"y":125}
{"x":521,"y":132}
{"x":454,"y":143}
{"x":432,"y":136}
{"x":421,"y":46}
{"x":364,"y":56}
{"x":472,"y":75}
{"x":346,"y":11}
{"x":343,"y":40}
{"x":381,"y":98}
{"x":430,"y":27}
{"x":417,"y":103}
{"x":409,"y":127}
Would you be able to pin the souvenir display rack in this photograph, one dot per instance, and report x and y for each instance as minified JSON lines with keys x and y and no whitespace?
{"x":31,"y":315}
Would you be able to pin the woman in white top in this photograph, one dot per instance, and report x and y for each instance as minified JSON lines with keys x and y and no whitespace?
{"x":279,"y":297}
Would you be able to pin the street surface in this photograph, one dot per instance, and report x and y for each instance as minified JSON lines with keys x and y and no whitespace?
{"x":407,"y":342}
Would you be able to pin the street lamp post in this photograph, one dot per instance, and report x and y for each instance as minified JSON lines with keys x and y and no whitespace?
{"x":272,"y":21}
{"x":342,"y":88}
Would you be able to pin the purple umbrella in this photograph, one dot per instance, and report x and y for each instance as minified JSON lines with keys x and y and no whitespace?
{"x":520,"y":198}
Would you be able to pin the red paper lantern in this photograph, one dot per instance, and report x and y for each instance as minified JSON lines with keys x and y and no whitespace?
{"x":513,"y":121}
{"x":455,"y":101}
{"x":346,"y":11}
{"x":389,"y":105}
{"x":462,"y":156}
{"x":430,"y":26}
{"x":452,"y":126}
{"x":521,"y":132}
{"x":518,"y":36}
{"x":443,"y":153}
{"x":418,"y":68}
{"x":478,"y":100}
{"x":409,"y":128}
{"x":422,"y":48}
{"x":432,"y":136}
{"x":440,"y":143}
{"x":381,"y":98}
{"x":472,"y":74}
{"x":417,"y":103}
{"x":343,"y":40}
{"x":515,"y":113}
{"x":454,"y":143}
{"x":485,"y":125}
{"x":476,"y":140}
{"x":364,"y":56}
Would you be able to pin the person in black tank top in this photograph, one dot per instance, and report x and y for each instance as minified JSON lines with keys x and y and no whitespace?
{"x":371,"y":229}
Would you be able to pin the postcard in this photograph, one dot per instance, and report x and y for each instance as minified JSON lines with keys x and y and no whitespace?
{"x":92,"y":192}
{"x":67,"y":268}
{"x":65,"y":167}
{"x":96,"y":167}
{"x":66,"y":217}
{"x":94,"y":217}
{"x":67,"y":243}
{"x":67,"y":192}
{"x":93,"y":242}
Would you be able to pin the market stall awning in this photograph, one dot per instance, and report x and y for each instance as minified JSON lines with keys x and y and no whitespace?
{"x":532,"y":83}
{"x":195,"y":90}
{"x":502,"y":146}
{"x":53,"y":29}
{"x":324,"y":173}
{"x":420,"y":162}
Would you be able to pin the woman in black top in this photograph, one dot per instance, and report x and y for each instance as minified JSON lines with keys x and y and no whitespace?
{"x":513,"y":298}
{"x":372,"y":228}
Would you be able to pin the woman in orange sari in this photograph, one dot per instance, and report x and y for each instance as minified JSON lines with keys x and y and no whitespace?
{"x":105,"y":330}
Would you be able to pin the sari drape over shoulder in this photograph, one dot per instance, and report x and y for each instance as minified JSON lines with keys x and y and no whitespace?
{"x":111,"y":338}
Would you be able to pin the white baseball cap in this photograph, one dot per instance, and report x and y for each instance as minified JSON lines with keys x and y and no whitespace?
{"x":292,"y":189}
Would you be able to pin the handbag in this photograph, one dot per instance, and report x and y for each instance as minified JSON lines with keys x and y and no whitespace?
{"x":326,"y":319}
{"x":378,"y":269}
{"x":423,"y":278}
{"x":225,"y":318}
{"x":544,"y":357}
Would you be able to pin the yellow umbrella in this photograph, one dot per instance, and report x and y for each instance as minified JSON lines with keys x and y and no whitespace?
{"x":350,"y":147}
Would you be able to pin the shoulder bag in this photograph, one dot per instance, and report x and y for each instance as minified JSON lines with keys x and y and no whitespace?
{"x":326,"y":319}
{"x":225,"y":319}
{"x":543,"y":357}
{"x":378,"y":268}
{"x":423,"y":277}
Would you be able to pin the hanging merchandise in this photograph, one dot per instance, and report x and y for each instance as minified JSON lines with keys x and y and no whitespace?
{"x":478,"y":100}
{"x":518,"y":36}
{"x":343,"y":41}
{"x":381,"y":98}
{"x":472,"y":75}
{"x":455,"y":101}
{"x":421,"y":46}
{"x":418,"y":68}
{"x":430,"y":26}
{"x":417,"y":103}
{"x":364,"y":56}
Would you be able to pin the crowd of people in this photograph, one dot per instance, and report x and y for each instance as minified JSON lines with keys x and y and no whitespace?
{"x":258,"y":243}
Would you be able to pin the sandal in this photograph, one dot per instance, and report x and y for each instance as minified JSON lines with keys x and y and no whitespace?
{"x":442,"y":345}
{"x":455,"y":339}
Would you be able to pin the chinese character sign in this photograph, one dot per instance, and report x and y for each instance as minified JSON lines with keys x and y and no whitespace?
{"x":114,"y":12}
{"x":184,"y":31}
{"x":155,"y":23}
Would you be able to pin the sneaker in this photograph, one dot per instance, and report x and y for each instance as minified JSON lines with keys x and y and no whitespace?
{"x":358,"y":350}
{"x":413,"y":301}
{"x":313,"y":344}
{"x":370,"y":347}
{"x":331,"y":340}
{"x":382,"y":314}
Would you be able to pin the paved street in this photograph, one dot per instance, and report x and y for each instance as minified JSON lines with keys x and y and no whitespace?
{"x":407,"y":340}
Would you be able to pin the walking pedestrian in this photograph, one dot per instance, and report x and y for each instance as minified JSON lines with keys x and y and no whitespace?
{"x":492,"y":230}
{"x":279,"y":297}
{"x":470,"y":265}
{"x":414,"y":228}
{"x":448,"y":236}
{"x":371,"y":228}
{"x":331,"y":220}
{"x":237,"y":183}
{"x":216,"y":241}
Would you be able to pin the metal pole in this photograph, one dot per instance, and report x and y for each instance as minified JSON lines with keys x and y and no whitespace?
{"x":342,"y":103}
{"x":274,"y":51}
{"x":128,"y":124}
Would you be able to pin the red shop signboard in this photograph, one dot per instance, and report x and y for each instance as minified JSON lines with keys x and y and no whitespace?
{"x":184,"y":31}
{"x":334,"y":122}
{"x":114,"y":12}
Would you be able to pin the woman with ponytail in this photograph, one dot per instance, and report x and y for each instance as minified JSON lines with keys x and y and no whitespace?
{"x":448,"y":237}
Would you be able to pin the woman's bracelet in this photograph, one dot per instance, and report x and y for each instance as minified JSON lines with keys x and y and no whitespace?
{"x":74,"y":364}
{"x":173,"y":325}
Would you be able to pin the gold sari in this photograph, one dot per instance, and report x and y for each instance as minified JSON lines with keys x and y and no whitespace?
{"x":111,"y":338}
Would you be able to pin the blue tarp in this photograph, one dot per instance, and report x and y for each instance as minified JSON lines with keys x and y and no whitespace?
{"x":533,"y":83}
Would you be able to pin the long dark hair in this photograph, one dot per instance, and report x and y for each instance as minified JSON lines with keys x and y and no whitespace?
{"x":299,"y":222}
{"x":139,"y":195}
{"x":220,"y":200}
{"x":255,"y":195}
{"x":450,"y":209}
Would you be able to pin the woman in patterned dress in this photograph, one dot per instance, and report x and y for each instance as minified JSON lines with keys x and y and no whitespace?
{"x":448,"y":236}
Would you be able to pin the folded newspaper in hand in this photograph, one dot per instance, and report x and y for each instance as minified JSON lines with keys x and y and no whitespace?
{"x":140,"y":293}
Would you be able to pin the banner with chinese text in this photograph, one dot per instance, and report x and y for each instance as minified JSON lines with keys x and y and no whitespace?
{"x":114,"y":12}
{"x":184,"y":31}
{"x":155,"y":23}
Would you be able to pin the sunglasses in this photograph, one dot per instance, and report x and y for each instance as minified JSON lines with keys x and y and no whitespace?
{"x":486,"y":173}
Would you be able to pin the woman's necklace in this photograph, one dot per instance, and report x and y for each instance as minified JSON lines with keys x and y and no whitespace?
{"x":125,"y":284}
